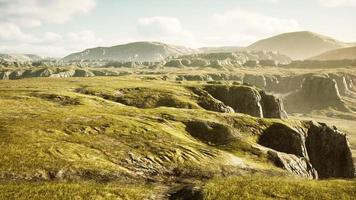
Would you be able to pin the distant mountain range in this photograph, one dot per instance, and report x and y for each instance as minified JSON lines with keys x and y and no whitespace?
{"x":138,"y":51}
{"x":22,"y":58}
{"x":337,"y":54}
{"x":298,"y":45}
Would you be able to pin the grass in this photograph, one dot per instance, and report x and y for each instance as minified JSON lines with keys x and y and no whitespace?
{"x":263,"y":187}
{"x":57,"y":143}
{"x":75,"y":191}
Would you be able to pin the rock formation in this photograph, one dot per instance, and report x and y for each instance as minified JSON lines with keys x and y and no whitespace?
{"x":313,"y":151}
{"x":248,"y":100}
{"x":317,"y":92}
{"x":242,"y":99}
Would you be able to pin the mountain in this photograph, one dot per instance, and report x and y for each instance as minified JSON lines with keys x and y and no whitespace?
{"x":21,"y":58}
{"x":298,"y":45}
{"x":225,"y":49}
{"x":337,"y":54}
{"x":137,"y":51}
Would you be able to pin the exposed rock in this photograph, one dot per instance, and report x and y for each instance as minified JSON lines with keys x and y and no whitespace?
{"x":242,"y":99}
{"x":83,"y":73}
{"x":282,"y":138}
{"x":297,"y":165}
{"x":174,"y":63}
{"x":329,"y":151}
{"x":317,"y":148}
{"x":256,"y":80}
{"x":272,"y":107}
{"x":198,"y":62}
{"x":206,"y":101}
{"x":248,"y":100}
{"x":211,"y":132}
{"x":317,"y":92}
{"x":186,"y":192}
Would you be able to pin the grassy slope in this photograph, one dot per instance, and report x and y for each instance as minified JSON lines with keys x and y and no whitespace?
{"x":85,"y":138}
{"x":261,"y":187}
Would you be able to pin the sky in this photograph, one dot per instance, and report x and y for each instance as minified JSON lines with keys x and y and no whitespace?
{"x":59,"y":27}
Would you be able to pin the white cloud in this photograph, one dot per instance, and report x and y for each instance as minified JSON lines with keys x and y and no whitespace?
{"x":338,"y":3}
{"x":164,"y":29}
{"x":242,"y":27}
{"x":35,"y":12}
{"x":48,"y":44}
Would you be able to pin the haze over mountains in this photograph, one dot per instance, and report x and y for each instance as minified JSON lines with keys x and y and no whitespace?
{"x":337,"y":54}
{"x":138,"y":51}
{"x":296,"y":45}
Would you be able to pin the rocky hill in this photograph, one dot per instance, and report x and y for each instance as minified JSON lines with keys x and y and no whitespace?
{"x":348,"y":53}
{"x":138,"y":51}
{"x":225,"y":49}
{"x":298,"y":45}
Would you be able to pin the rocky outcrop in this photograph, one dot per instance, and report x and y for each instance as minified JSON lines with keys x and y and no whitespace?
{"x":256,"y":80}
{"x":248,"y":100}
{"x":314,"y":150}
{"x":174,"y":63}
{"x":292,"y":163}
{"x":83,"y":73}
{"x":243,"y":99}
{"x":206,"y":101}
{"x":272,"y":106}
{"x":317,"y":92}
{"x":211,"y":132}
{"x":329,"y":151}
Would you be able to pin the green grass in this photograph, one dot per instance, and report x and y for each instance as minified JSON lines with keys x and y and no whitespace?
{"x":75,"y":191}
{"x":264,"y":187}
{"x":57,"y":143}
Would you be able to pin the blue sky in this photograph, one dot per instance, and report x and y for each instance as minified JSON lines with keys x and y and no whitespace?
{"x":60,"y":27}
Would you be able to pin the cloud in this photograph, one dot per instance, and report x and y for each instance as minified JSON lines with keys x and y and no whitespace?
{"x":31,"y":13}
{"x":241,"y":26}
{"x":164,"y":29}
{"x":338,"y":3}
{"x":47,"y":44}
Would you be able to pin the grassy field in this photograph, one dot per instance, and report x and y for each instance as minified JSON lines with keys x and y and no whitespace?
{"x":76,"y":139}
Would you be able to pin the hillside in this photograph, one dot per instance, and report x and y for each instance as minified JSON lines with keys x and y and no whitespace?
{"x":298,"y":45}
{"x":224,"y":49}
{"x":138,"y":51}
{"x":337,"y":54}
{"x":21,"y":58}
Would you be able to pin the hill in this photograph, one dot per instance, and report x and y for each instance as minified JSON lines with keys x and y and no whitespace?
{"x":298,"y":45}
{"x":225,"y":49}
{"x":337,"y":54}
{"x":21,"y":58}
{"x":137,"y":51}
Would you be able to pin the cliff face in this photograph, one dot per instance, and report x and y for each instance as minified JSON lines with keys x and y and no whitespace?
{"x":316,"y":92}
{"x":246,"y":99}
{"x":314,"y":150}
